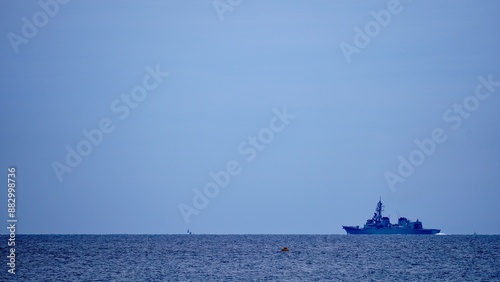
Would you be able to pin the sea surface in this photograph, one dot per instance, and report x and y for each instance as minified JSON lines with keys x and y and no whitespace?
{"x":253,"y":258}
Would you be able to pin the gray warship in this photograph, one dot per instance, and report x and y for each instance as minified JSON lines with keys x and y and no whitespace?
{"x":379,"y":224}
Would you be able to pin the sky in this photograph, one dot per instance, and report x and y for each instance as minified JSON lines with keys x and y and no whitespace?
{"x":249,"y":117}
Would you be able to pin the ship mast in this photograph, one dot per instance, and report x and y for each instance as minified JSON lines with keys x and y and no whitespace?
{"x":378,"y":211}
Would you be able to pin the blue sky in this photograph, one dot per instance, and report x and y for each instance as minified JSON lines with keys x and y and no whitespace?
{"x":226,"y":79}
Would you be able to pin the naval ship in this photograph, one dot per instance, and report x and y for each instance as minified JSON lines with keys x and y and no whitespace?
{"x":379,"y":224}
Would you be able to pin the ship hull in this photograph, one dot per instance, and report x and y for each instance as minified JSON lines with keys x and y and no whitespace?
{"x":373,"y":231}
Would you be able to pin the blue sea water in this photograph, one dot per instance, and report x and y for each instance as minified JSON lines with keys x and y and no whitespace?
{"x":253,"y":258}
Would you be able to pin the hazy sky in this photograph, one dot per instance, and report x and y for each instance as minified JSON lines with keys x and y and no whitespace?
{"x":118,"y":115}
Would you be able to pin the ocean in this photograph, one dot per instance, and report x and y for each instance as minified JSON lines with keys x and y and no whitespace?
{"x":253,"y":258}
